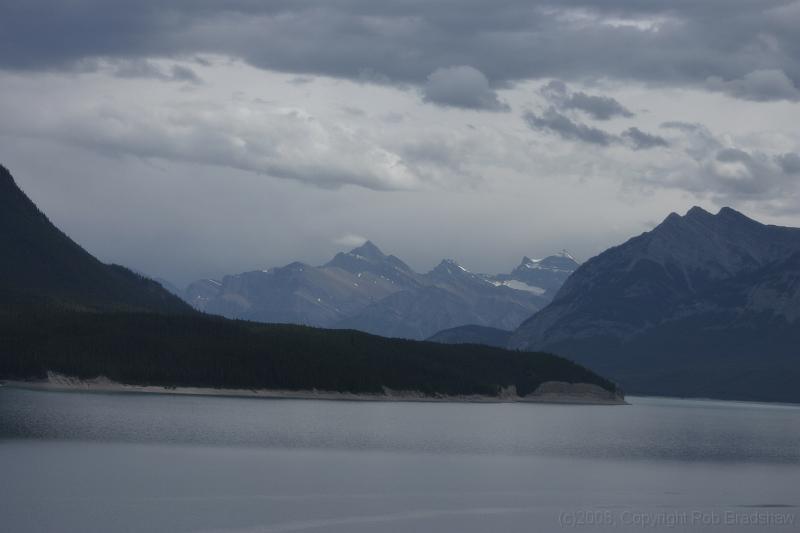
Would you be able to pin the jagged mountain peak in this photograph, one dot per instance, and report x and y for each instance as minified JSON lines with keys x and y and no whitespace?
{"x":566,"y":255}
{"x":368,"y":257}
{"x":697,"y":214}
{"x":449,"y":267}
{"x":560,"y":261}
{"x":368,"y":250}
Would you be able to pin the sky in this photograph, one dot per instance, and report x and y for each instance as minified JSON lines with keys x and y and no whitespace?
{"x":190,"y":138}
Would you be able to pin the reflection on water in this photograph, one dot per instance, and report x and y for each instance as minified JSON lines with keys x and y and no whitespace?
{"x":134,"y":462}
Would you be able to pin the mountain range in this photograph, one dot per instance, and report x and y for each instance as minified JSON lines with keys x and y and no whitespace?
{"x":367,"y":290}
{"x":703,"y":305}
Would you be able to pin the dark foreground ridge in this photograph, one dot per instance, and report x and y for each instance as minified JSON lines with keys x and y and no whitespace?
{"x":205,"y":351}
{"x":63,"y":311}
{"x":41,"y":266}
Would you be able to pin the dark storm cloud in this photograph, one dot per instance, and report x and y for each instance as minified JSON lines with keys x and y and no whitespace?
{"x":748,"y":49}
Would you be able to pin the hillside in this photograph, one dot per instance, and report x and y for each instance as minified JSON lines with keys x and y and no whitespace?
{"x":204,"y":351}
{"x":41,"y":264}
{"x":702,"y":305}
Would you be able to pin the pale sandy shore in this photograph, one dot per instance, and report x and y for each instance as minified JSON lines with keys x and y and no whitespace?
{"x":549,"y":392}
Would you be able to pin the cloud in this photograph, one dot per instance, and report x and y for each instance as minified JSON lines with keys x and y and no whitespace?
{"x":697,"y":140}
{"x":597,"y":107}
{"x":350,"y":239}
{"x":725,"y":171}
{"x":554,"y":122}
{"x":551,"y":121}
{"x":280,"y":142}
{"x":301,"y":80}
{"x":141,"y":68}
{"x":790,"y":163}
{"x":747,"y":48}
{"x":462,"y":86}
{"x":759,"y":85}
{"x":639,"y":140}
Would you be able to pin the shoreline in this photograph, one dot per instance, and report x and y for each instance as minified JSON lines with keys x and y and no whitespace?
{"x":548,"y":393}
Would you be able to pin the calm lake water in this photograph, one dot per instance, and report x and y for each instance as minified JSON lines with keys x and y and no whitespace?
{"x":92,"y":462}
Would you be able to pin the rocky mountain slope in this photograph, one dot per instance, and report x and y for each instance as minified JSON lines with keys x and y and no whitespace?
{"x":702,"y":305}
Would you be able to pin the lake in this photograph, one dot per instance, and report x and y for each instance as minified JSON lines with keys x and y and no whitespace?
{"x":99,"y":462}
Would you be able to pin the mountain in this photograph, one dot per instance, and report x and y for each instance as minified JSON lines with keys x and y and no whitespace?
{"x":370,"y":291}
{"x":303,"y":294}
{"x":451,"y":296}
{"x":541,"y":276}
{"x":368,"y":258}
{"x":41,"y":265}
{"x":472,"y":334}
{"x":702,"y":305}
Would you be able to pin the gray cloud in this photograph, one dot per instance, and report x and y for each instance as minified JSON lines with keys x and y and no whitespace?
{"x":142,"y":68}
{"x":747,"y":48}
{"x":639,"y":140}
{"x":461,"y":86}
{"x":790,"y":163}
{"x":726,"y":173}
{"x":759,"y":85}
{"x":554,"y":122}
{"x":282,"y":143}
{"x":597,"y":107}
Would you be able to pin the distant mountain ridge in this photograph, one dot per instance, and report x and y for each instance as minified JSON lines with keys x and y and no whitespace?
{"x":367,"y":290}
{"x":702,"y":305}
{"x":471,"y":334}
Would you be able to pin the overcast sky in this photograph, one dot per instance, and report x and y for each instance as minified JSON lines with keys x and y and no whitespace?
{"x":185,"y":139}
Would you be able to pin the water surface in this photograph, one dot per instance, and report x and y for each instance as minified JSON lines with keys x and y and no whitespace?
{"x":139,"y":462}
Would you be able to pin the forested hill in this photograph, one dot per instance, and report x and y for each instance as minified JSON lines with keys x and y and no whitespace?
{"x":207,"y":351}
{"x":41,"y":265}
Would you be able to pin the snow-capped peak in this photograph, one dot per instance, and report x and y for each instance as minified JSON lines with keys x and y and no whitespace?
{"x":453,"y":263}
{"x":565,"y":253}
{"x":527,"y":262}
